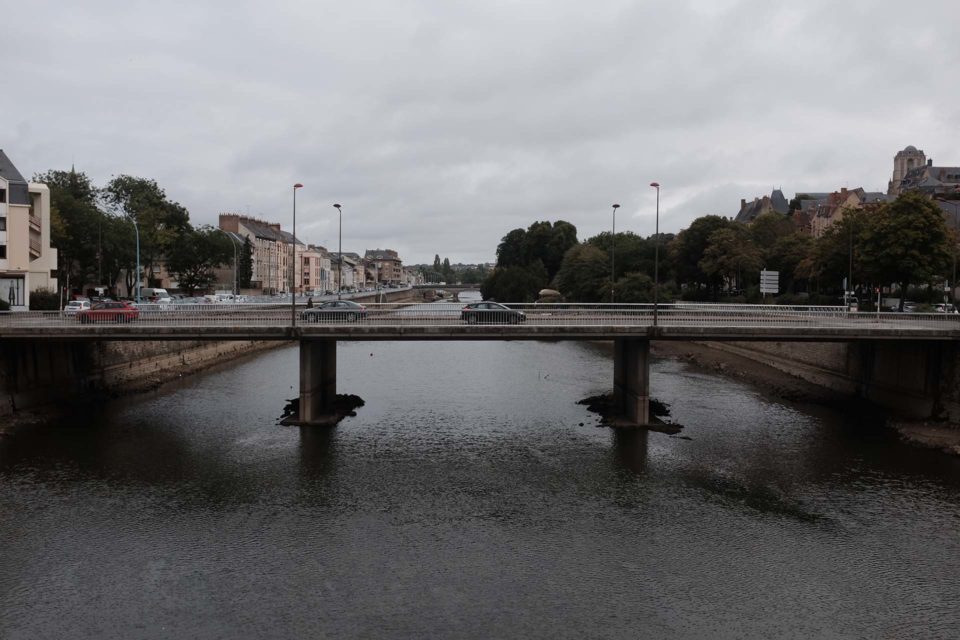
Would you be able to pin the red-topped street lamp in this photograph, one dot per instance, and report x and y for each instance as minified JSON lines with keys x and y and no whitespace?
{"x":656,"y":254}
{"x":613,"y":252}
{"x":293,"y":261}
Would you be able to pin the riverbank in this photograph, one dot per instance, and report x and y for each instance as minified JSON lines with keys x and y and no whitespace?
{"x":937,"y":435}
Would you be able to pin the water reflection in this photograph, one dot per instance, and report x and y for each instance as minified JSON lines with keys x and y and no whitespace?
{"x":472,"y":496}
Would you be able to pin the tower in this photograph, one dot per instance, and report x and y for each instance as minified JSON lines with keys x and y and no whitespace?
{"x":903,"y":162}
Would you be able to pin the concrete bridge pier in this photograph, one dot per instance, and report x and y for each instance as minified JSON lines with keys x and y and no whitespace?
{"x":318,"y":381}
{"x":631,"y":381}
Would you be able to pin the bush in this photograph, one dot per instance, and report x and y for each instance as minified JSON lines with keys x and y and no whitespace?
{"x":44,"y":300}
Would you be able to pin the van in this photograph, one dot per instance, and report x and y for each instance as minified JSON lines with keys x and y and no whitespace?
{"x":155,"y":294}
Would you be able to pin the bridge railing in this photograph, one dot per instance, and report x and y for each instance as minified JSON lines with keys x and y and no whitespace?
{"x":448,"y":314}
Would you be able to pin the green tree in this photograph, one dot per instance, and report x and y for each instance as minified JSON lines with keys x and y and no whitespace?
{"x":584,"y":275}
{"x":730,"y":256}
{"x":245,"y":263}
{"x":688,"y":247}
{"x":786,"y":257}
{"x":160,"y":220}
{"x":76,"y":225}
{"x":195,"y":255}
{"x":515,"y":284}
{"x":906,"y":242}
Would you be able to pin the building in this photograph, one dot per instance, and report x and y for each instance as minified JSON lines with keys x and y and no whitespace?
{"x":824,"y":212}
{"x":315,"y":275}
{"x":775,"y":202}
{"x":27,"y":261}
{"x":271,"y":251}
{"x":903,"y":163}
{"x":388,"y":263}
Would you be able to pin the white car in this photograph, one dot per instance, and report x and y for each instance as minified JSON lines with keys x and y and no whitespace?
{"x":74,"y":306}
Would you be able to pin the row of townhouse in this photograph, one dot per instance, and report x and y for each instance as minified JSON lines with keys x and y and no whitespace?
{"x":27,"y":261}
{"x":817,"y":212}
{"x":316,"y":269}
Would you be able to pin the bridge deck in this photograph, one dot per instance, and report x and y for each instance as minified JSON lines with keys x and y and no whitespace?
{"x":444,"y":322}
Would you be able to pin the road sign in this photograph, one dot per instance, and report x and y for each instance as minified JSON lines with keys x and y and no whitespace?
{"x":769,"y":281}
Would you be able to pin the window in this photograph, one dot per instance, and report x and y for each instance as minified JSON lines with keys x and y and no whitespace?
{"x":3,"y":252}
{"x":3,"y":223}
{"x":3,"y":196}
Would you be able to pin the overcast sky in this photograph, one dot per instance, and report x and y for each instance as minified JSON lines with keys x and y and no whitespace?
{"x":441,"y":125}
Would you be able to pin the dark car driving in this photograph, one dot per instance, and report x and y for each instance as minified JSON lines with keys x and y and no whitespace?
{"x":491,"y":313}
{"x":336,"y":311}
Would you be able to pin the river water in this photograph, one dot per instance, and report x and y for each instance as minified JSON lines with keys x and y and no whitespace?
{"x":472,"y":497}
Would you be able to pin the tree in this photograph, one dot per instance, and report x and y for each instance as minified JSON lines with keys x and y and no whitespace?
{"x":245,"y":264}
{"x":786,"y":256}
{"x":730,"y":256}
{"x":688,"y":247}
{"x":585,"y":274}
{"x":515,"y":284}
{"x":160,"y":220}
{"x":76,"y":225}
{"x":511,"y":252}
{"x":193,"y":258}
{"x":906,"y":242}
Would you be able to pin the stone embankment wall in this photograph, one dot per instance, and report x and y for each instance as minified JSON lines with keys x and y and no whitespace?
{"x":34,"y":375}
{"x":915,"y":379}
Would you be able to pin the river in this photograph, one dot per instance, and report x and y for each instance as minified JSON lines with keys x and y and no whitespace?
{"x":472,"y":497}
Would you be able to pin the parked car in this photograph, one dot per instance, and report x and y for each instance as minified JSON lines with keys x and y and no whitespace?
{"x":109,"y":312}
{"x":75,"y":306}
{"x":945,"y":308}
{"x":491,"y":313}
{"x":335,"y":310}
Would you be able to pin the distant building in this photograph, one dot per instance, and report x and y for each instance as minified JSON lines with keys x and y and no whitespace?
{"x":903,"y":163}
{"x":27,"y":261}
{"x":775,"y":202}
{"x":388,"y":263}
{"x":824,"y":212}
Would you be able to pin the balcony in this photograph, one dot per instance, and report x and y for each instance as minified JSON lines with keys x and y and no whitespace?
{"x":35,"y":249}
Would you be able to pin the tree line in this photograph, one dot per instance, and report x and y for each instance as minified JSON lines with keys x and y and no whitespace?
{"x":93,"y":230}
{"x":901,"y":243}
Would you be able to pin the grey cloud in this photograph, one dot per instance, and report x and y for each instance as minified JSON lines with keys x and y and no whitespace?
{"x":442,"y":125}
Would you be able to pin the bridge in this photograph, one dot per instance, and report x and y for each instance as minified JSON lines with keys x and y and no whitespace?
{"x":630,"y":327}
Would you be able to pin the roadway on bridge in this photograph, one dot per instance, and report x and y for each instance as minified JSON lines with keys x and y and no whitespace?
{"x":444,"y":321}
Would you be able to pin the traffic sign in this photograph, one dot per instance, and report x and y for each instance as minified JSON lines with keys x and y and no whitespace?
{"x":769,"y":281}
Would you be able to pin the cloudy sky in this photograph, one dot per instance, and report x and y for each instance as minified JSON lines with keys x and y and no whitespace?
{"x":441,"y":125}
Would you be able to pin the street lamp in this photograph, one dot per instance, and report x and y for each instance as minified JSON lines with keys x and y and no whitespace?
{"x":293,"y":261}
{"x":236,"y":279}
{"x":339,"y":253}
{"x":136,"y":229}
{"x":656,"y":254}
{"x":613,"y":252}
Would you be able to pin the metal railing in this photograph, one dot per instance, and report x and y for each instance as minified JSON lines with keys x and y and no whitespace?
{"x":241,"y":315}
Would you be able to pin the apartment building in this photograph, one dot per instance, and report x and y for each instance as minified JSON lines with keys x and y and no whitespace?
{"x":271,"y":251}
{"x":27,"y":261}
{"x":388,"y":263}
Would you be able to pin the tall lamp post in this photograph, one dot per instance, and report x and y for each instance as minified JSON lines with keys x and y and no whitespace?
{"x":136,"y":230}
{"x":236,"y":279}
{"x":656,"y":254}
{"x":339,"y":252}
{"x":613,"y":252}
{"x":293,"y":261}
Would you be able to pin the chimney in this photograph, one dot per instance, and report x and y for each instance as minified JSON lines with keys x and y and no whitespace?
{"x":743,"y":203}
{"x":843,"y":191}
{"x":930,"y":162}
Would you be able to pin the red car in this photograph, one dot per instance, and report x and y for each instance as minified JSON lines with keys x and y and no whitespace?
{"x":109,"y":312}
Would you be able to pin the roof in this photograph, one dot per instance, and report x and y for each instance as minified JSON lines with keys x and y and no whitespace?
{"x":19,"y":191}
{"x":266,"y":231}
